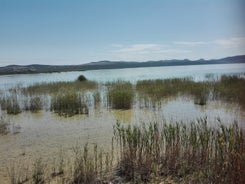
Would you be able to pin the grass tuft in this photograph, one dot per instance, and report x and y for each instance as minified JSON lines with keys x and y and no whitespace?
{"x":120,"y":95}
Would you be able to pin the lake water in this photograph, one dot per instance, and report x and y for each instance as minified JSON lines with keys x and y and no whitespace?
{"x":197,"y":72}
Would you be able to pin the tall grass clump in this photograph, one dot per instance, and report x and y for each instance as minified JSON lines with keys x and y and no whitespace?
{"x":18,"y":173}
{"x":35,"y":104}
{"x":10,"y":103}
{"x":193,"y":153}
{"x":4,"y":126}
{"x":120,"y":95}
{"x":57,"y":87}
{"x":38,"y":172}
{"x":230,"y":88}
{"x":161,"y":88}
{"x":12,"y":106}
{"x":68,"y":104}
{"x":90,"y":164}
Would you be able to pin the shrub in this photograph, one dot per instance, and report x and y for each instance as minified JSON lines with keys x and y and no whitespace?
{"x":81,"y":78}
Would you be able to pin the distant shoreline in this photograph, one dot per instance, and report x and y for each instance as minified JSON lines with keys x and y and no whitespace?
{"x":36,"y":69}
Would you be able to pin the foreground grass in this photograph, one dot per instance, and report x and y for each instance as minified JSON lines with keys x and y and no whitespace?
{"x":186,"y":153}
{"x":152,"y":153}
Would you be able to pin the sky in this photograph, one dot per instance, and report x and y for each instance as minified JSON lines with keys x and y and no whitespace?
{"x":62,"y":32}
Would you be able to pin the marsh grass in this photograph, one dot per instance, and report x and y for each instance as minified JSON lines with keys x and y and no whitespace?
{"x":58,"y":87}
{"x":229,"y":88}
{"x":12,"y":106}
{"x":195,"y":152}
{"x":120,"y":95}
{"x":191,"y":152}
{"x":68,"y":104}
{"x":34,"y":104}
{"x":38,"y":172}
{"x":90,"y":164}
{"x":18,"y":173}
{"x":4,"y":126}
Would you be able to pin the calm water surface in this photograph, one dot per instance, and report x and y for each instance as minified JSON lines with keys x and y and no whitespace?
{"x":197,"y":72}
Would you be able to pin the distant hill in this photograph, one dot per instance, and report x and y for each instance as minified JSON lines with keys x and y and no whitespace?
{"x":35,"y":68}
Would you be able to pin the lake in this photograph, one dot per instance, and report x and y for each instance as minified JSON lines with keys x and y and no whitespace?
{"x":197,"y":72}
{"x":45,"y":133}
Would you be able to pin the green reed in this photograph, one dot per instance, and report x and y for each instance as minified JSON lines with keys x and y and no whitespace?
{"x":120,"y":95}
{"x":186,"y":152}
{"x":68,"y":104}
{"x":4,"y":126}
{"x":230,"y":88}
{"x":57,"y":87}
{"x":194,"y":152}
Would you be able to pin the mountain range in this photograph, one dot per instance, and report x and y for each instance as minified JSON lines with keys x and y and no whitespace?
{"x":37,"y":68}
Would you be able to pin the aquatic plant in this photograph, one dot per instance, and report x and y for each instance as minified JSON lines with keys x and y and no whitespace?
{"x":151,"y":153}
{"x":57,"y":87}
{"x":196,"y":153}
{"x":18,"y":173}
{"x":120,"y":95}
{"x":35,"y":104}
{"x":68,"y":104}
{"x":229,"y":88}
{"x":4,"y":126}
{"x":38,"y":172}
{"x":12,"y":106}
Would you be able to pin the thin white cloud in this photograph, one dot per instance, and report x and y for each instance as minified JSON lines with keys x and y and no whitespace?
{"x":116,"y":45}
{"x":230,"y":43}
{"x":188,"y":43}
{"x":139,"y":48}
{"x":146,"y":51}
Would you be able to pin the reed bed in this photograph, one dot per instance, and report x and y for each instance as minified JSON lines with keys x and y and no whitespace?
{"x":12,"y":106}
{"x":68,"y":104}
{"x":193,"y":153}
{"x":34,"y":104}
{"x":120,"y":95}
{"x":230,"y":88}
{"x":4,"y":126}
{"x":57,"y":87}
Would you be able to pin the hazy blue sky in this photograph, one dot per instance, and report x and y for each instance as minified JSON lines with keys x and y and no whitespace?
{"x":81,"y":31}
